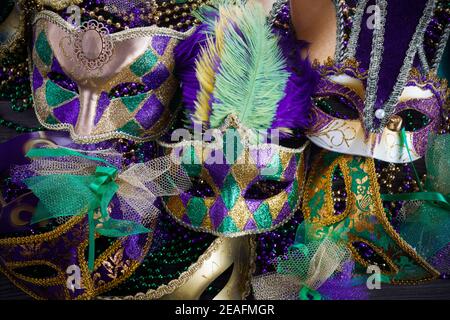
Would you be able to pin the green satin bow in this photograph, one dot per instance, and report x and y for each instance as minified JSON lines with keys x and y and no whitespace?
{"x":307,"y":293}
{"x":64,"y":195}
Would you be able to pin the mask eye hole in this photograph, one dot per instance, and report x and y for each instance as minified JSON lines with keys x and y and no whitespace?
{"x":265,"y":189}
{"x":63,"y":81}
{"x":200,"y":188}
{"x":337,"y":106}
{"x":217,"y":284}
{"x":338,"y":191}
{"x":294,"y":141}
{"x":128,"y":89}
{"x":37,"y":271}
{"x":414,"y":120}
{"x":370,"y":256}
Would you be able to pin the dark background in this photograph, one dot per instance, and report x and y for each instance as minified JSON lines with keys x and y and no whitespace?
{"x":437,"y":290}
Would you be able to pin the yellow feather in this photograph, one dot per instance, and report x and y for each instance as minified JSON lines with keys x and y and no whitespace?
{"x":205,"y":69}
{"x":205,"y":75}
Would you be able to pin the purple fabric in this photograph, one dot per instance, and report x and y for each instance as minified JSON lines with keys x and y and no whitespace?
{"x":132,"y":248}
{"x":250,"y":225}
{"x":220,"y":212}
{"x":253,"y":204}
{"x":150,"y":113}
{"x":56,"y":67}
{"x":341,"y":286}
{"x":293,"y":110}
{"x":401,"y":23}
{"x":37,"y":79}
{"x":185,"y":197}
{"x":157,"y":77}
{"x":217,"y":170}
{"x":103,"y":103}
{"x":291,"y":169}
{"x":159,"y":43}
{"x":68,"y":113}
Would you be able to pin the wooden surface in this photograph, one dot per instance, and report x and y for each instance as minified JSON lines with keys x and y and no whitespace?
{"x":436,"y":290}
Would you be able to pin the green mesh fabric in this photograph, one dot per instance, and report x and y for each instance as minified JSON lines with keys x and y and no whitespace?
{"x":427,"y":224}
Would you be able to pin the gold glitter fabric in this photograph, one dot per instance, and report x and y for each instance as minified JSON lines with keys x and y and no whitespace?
{"x":238,"y":188}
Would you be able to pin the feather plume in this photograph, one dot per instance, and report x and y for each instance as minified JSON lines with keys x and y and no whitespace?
{"x":235,"y":64}
{"x":252,"y":74}
{"x":186,"y":54}
{"x":294,"y":109}
{"x":207,"y":67}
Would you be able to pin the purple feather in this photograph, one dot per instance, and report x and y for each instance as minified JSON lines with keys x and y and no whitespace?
{"x":293,"y":110}
{"x":186,"y":54}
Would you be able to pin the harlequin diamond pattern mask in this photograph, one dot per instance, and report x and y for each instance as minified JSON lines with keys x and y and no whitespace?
{"x":241,"y":183}
{"x":369,"y":92}
{"x":238,"y":188}
{"x":99,"y":85}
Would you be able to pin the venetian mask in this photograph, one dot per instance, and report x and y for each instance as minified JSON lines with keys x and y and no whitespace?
{"x":360,"y":221}
{"x":99,"y":85}
{"x":242,"y":182}
{"x":365,"y":98}
{"x":49,"y":260}
{"x":368,"y":93}
{"x":237,"y":189}
{"x":38,"y":259}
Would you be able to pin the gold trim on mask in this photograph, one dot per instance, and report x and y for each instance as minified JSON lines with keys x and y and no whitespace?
{"x":223,"y":252}
{"x":326,"y":183}
{"x":379,"y":251}
{"x":363,"y":213}
{"x":58,"y":5}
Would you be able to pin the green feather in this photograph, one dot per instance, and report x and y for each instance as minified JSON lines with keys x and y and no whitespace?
{"x":212,"y":6}
{"x":252,"y":76}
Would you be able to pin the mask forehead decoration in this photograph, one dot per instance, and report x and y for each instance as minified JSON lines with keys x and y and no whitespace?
{"x":101,"y":86}
{"x":240,"y":88}
{"x":382,"y":79}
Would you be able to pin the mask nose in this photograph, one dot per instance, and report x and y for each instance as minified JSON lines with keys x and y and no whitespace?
{"x":395,"y":123}
{"x":88,"y":106}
